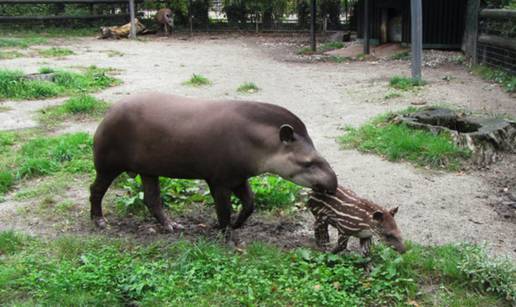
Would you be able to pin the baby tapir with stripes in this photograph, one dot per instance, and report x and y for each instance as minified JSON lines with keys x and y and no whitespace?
{"x":353,"y":216}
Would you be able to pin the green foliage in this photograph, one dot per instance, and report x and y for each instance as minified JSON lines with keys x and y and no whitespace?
{"x":197,"y":81}
{"x":271,"y":193}
{"x":10,"y":242}
{"x":331,"y":46}
{"x":400,"y":142}
{"x":248,"y":88}
{"x":7,"y":42}
{"x":392,"y":94}
{"x":14,"y":85}
{"x":403,"y":55}
{"x":43,"y":156}
{"x":55,"y":52}
{"x":90,"y":271}
{"x":506,"y":80}
{"x":405,"y":84}
{"x":6,"y":55}
{"x":78,"y":107}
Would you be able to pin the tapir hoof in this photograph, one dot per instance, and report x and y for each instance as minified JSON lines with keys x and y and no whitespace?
{"x":100,"y":222}
{"x":173,"y":227}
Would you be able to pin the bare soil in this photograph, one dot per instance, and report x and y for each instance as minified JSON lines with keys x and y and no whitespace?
{"x":435,"y":207}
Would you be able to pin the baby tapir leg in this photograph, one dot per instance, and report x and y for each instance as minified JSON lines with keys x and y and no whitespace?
{"x":322,"y":237}
{"x":365,"y":246}
{"x":342,"y":243}
{"x":152,"y":199}
{"x":244,"y":193}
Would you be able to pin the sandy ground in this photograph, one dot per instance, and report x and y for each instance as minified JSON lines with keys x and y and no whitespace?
{"x":435,"y":207}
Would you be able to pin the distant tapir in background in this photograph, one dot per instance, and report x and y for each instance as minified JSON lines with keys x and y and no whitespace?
{"x":353,"y":216}
{"x":223,"y":142}
{"x":165,"y":20}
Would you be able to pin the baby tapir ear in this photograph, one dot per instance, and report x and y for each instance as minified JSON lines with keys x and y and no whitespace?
{"x":378,"y":216}
{"x":286,"y":133}
{"x":393,"y":211}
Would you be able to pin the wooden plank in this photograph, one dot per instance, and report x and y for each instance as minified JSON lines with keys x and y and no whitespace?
{"x":498,"y":13}
{"x":42,"y":18}
{"x":416,"y":37}
{"x":497,"y":41}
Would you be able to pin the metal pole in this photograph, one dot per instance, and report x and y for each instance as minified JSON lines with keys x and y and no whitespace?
{"x":313,"y":25}
{"x":190,"y":17}
{"x":366,"y":27}
{"x":416,"y":37}
{"x":132,"y":35}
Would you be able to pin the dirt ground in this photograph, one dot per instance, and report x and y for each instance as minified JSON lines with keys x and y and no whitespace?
{"x":435,"y":207}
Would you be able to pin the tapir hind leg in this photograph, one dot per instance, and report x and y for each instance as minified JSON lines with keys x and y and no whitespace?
{"x":245,"y":194}
{"x":97,"y":191}
{"x":151,"y":197}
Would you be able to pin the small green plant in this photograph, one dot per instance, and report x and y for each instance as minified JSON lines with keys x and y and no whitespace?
{"x":197,"y":81}
{"x":330,"y":46}
{"x":24,"y":42}
{"x":337,"y":59}
{"x":55,"y":52}
{"x":6,"y":55}
{"x":400,"y":142}
{"x":248,"y":88}
{"x":114,"y":53}
{"x":14,"y":85}
{"x":305,"y":51}
{"x":506,"y":80}
{"x":405,"y":84}
{"x":402,"y":56}
{"x":79,"y":107}
{"x":391,"y":95}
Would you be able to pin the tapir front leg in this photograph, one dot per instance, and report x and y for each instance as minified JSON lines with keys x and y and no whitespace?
{"x":222,"y":197}
{"x":322,"y":236}
{"x":245,"y":194}
{"x":342,"y":243}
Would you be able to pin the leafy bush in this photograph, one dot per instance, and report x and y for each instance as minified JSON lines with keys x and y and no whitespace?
{"x":404,"y":83}
{"x":86,"y":271}
{"x":55,"y":52}
{"x":506,"y":80}
{"x":14,"y":85}
{"x":273,"y":192}
{"x":400,"y":142}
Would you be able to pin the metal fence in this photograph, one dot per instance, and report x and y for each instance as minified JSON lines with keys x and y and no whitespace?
{"x":496,"y":46}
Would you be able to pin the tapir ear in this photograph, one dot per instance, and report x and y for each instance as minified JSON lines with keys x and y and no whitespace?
{"x":393,"y":211}
{"x":286,"y":133}
{"x":378,"y":216}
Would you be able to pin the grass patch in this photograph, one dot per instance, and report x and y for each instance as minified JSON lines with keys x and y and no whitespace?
{"x":30,"y":156}
{"x":55,"y":52}
{"x":75,"y":108}
{"x":506,"y":80}
{"x":399,"y":142}
{"x":248,"y":88}
{"x":14,"y":85}
{"x":402,"y":56}
{"x":21,"y":42}
{"x":337,"y":59}
{"x":405,"y":84}
{"x":391,"y":95}
{"x":43,"y":33}
{"x":197,"y":81}
{"x":94,"y":271}
{"x":7,"y":55}
{"x":330,"y":46}
{"x":271,"y":193}
{"x":305,"y":51}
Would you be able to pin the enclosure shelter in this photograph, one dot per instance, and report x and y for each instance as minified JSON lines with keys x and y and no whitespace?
{"x":389,"y":22}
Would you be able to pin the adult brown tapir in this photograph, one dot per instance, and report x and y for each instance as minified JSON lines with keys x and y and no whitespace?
{"x":223,"y":142}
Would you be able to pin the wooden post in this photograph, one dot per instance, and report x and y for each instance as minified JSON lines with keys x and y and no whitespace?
{"x":313,"y":25}
{"x":132,"y":35}
{"x":366,"y":27}
{"x":471,"y":32}
{"x":190,"y":17}
{"x":416,"y":38}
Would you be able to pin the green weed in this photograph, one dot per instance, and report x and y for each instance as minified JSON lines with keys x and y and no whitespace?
{"x":305,"y":51}
{"x":405,"y":84}
{"x":506,"y":80}
{"x":403,"y":56}
{"x":55,"y":52}
{"x":400,"y":142}
{"x":391,"y":94}
{"x":6,"y":55}
{"x":337,"y":59}
{"x":79,"y":107}
{"x":197,"y":81}
{"x":248,"y":88}
{"x":14,"y":85}
{"x":330,"y":46}
{"x":11,"y":42}
{"x":93,"y":271}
